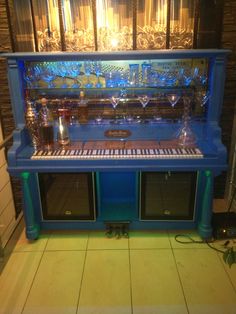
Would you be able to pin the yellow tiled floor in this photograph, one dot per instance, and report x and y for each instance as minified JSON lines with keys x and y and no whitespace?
{"x":87,"y":273}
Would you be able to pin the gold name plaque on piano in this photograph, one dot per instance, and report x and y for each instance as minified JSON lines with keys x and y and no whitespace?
{"x":112,"y":133}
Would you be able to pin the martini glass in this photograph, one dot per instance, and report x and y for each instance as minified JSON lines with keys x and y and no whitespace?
{"x":144,"y":100}
{"x":115,"y":101}
{"x":173,"y":98}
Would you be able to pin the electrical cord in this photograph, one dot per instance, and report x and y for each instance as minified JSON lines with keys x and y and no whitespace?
{"x":190,"y":240}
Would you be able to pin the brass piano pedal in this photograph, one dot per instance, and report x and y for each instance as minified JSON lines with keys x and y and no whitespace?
{"x":117,"y":229}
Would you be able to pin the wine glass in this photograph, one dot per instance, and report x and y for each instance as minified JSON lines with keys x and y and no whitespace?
{"x":98,"y":71}
{"x":185,"y":77}
{"x":202,"y":96}
{"x":199,"y":77}
{"x":173,"y":98}
{"x":115,"y":101}
{"x":144,"y":100}
{"x":88,"y":71}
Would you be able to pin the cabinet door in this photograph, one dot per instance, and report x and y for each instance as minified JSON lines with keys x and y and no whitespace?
{"x":167,"y":195}
{"x":67,"y":196}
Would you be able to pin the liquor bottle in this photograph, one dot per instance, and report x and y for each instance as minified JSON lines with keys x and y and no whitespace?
{"x":63,"y":133}
{"x":32,"y":124}
{"x":46,"y":125}
{"x":83,"y":109}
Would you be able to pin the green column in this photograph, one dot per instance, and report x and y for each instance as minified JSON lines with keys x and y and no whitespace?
{"x":32,"y":229}
{"x":204,"y":226}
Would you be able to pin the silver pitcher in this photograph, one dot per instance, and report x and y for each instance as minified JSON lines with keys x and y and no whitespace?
{"x":31,"y":122}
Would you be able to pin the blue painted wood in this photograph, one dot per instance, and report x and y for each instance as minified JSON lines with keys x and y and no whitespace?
{"x":32,"y":228}
{"x":204,"y":226}
{"x":118,"y":55}
{"x":16,"y":90}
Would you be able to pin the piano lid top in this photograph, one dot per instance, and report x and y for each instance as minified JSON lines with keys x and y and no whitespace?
{"x":125,"y":55}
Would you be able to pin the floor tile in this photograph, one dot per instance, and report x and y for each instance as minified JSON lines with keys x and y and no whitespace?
{"x":188,"y":233}
{"x":99,"y":241}
{"x":56,"y":286}
{"x":148,"y":240}
{"x":206,"y":285}
{"x":231,"y":271}
{"x":68,"y":240}
{"x":16,"y":280}
{"x":25,"y":245}
{"x":155,"y":284}
{"x":106,"y":283}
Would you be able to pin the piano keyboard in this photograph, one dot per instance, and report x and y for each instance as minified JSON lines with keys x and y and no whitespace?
{"x":91,"y":154}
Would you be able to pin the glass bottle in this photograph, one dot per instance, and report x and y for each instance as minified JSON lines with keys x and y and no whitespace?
{"x":83,"y":109}
{"x":63,"y":133}
{"x":46,"y":125}
{"x":31,"y":123}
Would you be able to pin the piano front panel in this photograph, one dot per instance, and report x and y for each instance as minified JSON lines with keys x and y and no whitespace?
{"x":146,"y":147}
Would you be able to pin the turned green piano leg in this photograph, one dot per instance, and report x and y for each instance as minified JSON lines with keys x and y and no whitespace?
{"x":204,"y":225}
{"x":32,"y":228}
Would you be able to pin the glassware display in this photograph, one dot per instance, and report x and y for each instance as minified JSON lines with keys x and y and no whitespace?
{"x":151,"y":24}
{"x":78,"y":25}
{"x":108,"y":82}
{"x":46,"y":18}
{"x":181,"y":24}
{"x":114,"y":25}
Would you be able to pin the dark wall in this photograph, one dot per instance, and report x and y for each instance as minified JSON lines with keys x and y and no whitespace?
{"x":228,"y":41}
{"x":5,"y":106}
